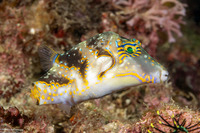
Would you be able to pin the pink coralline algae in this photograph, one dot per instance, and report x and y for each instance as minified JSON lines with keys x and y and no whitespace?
{"x":38,"y":126}
{"x":13,"y":63}
{"x":144,"y":19}
{"x":21,"y":33}
{"x":13,"y":69}
{"x":12,"y":118}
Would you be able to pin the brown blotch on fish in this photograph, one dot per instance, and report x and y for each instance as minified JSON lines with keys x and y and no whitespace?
{"x":72,"y":58}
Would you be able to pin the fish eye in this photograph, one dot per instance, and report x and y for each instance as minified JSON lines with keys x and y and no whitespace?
{"x":130,"y":49}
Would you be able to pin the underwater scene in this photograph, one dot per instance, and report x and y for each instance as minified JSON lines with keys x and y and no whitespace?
{"x":99,"y":66}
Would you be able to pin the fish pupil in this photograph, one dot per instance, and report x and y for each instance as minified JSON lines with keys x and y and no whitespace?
{"x":130,"y":50}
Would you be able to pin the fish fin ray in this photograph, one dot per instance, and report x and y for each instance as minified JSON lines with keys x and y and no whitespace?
{"x":47,"y":56}
{"x":65,"y":107}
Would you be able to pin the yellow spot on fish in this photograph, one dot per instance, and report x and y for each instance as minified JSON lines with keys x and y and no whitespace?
{"x":50,"y":93}
{"x":61,"y":94}
{"x":152,"y":64}
{"x":52,"y":99}
{"x":83,"y":90}
{"x":45,"y":90}
{"x":55,"y":90}
{"x":39,"y":89}
{"x":65,"y":91}
{"x":70,"y":93}
{"x":87,"y":87}
{"x":43,"y":97}
{"x":45,"y":102}
{"x":54,"y":94}
{"x":48,"y":98}
{"x":52,"y":87}
{"x":152,"y":60}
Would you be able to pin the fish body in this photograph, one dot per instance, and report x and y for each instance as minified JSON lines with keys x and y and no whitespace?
{"x":94,"y":68}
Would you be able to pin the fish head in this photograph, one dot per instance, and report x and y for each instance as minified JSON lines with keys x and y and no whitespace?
{"x":131,"y":64}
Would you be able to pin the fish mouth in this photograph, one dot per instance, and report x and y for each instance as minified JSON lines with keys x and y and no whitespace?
{"x":164,"y":75}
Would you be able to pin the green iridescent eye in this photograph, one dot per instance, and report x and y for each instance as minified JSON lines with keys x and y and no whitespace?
{"x":129,"y":50}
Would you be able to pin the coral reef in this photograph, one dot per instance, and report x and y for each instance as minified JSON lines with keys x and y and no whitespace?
{"x":146,"y":20}
{"x":22,"y":31}
{"x":73,"y":19}
{"x":158,"y":24}
{"x":12,"y":120}
{"x":184,"y":58}
{"x":14,"y":64}
{"x":169,"y":118}
{"x":177,"y":125}
{"x":137,"y":100}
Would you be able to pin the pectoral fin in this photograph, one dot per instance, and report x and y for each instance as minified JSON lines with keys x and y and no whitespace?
{"x":65,"y":107}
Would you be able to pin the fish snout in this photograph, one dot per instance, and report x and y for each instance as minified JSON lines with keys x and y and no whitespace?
{"x":164,"y":75}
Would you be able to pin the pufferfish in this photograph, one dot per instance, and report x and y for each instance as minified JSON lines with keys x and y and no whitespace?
{"x":99,"y":66}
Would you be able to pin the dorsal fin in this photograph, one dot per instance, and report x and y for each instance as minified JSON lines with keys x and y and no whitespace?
{"x":47,"y":56}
